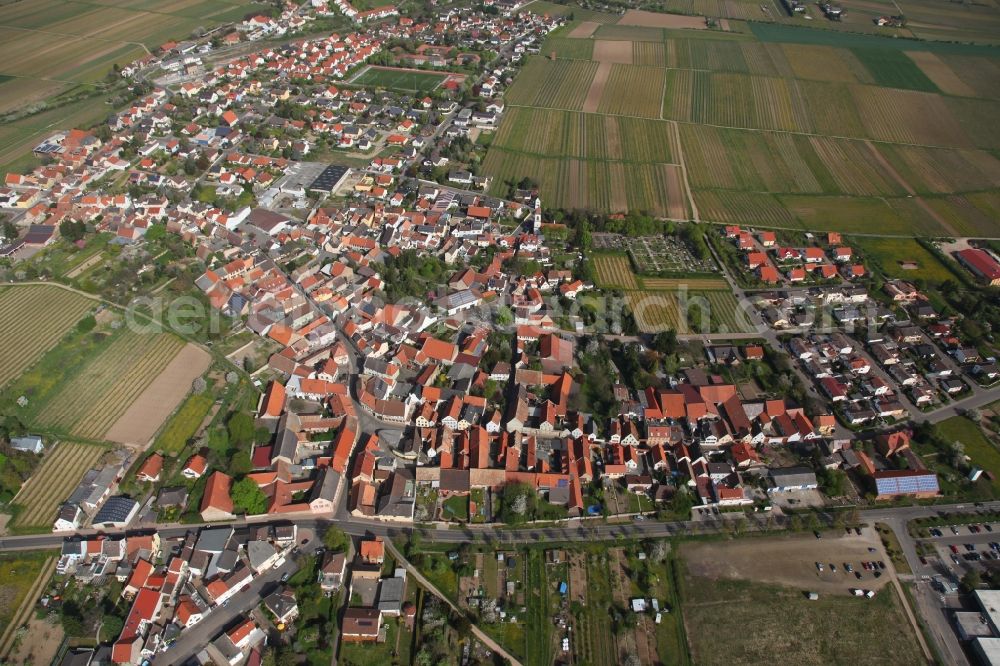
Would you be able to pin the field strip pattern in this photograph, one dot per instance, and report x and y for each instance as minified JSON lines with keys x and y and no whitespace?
{"x":154,"y":405}
{"x":91,"y":402}
{"x":32,"y":320}
{"x":53,"y":482}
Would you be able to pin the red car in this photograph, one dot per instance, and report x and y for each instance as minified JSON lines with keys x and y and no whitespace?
{"x":954,"y":548}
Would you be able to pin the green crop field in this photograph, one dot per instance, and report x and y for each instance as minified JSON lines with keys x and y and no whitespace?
{"x":184,"y":423}
{"x":893,"y":69}
{"x":559,"y":84}
{"x":32,"y":320}
{"x":404,"y":80}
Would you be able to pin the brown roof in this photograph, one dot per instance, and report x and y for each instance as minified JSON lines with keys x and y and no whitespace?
{"x":217,"y":493}
{"x":361,"y":622}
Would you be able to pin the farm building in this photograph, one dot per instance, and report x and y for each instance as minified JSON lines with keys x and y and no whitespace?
{"x":28,"y":443}
{"x":117,"y":512}
{"x":981,"y":264}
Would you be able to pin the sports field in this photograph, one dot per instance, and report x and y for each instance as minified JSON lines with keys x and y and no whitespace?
{"x":404,"y":80}
{"x":33,"y":318}
{"x":770,"y":124}
{"x":63,"y":467}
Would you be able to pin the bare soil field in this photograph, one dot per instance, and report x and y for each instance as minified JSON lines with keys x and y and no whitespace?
{"x":613,"y":51}
{"x":940,"y":73}
{"x":597,"y":88}
{"x":584,"y":30}
{"x":676,"y":208}
{"x":790,"y":561}
{"x":39,"y":645}
{"x":644,"y":19}
{"x":140,"y":422}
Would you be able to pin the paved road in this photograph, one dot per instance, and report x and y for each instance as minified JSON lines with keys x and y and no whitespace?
{"x":571,"y":530}
{"x":192,"y":640}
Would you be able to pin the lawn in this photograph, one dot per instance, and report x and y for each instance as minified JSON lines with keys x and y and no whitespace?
{"x":982,"y":452}
{"x":834,"y":629}
{"x":405,"y":80}
{"x":456,"y":508}
{"x":888,"y":255}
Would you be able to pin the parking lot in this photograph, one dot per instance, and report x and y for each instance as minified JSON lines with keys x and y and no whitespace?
{"x":964,"y":547}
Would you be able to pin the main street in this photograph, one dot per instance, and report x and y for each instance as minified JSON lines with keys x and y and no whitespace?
{"x":589,"y":529}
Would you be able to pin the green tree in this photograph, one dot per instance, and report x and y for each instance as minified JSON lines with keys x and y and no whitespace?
{"x":248,"y":498}
{"x":72,"y":230}
{"x":665,"y":342}
{"x":335,"y":539}
{"x":156,"y":232}
{"x":971,"y":581}
{"x":241,"y":429}
{"x":241,"y":465}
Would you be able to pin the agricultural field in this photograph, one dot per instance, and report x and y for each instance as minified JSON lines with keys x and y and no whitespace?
{"x":403,"y":80}
{"x":569,"y":49}
{"x":559,"y":84}
{"x":767,"y":580}
{"x":633,"y":91}
{"x":688,"y":311}
{"x":772,"y":124}
{"x":50,"y":485}
{"x":553,"y":133}
{"x":139,"y":423}
{"x":894,"y":69}
{"x":614,"y":272}
{"x":34,"y":318}
{"x":95,"y":396}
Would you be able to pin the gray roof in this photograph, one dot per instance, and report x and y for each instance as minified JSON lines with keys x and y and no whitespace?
{"x":214,"y":539}
{"x":390,"y":594}
{"x":116,"y":510}
{"x":793,"y":476}
{"x":259,"y":552}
